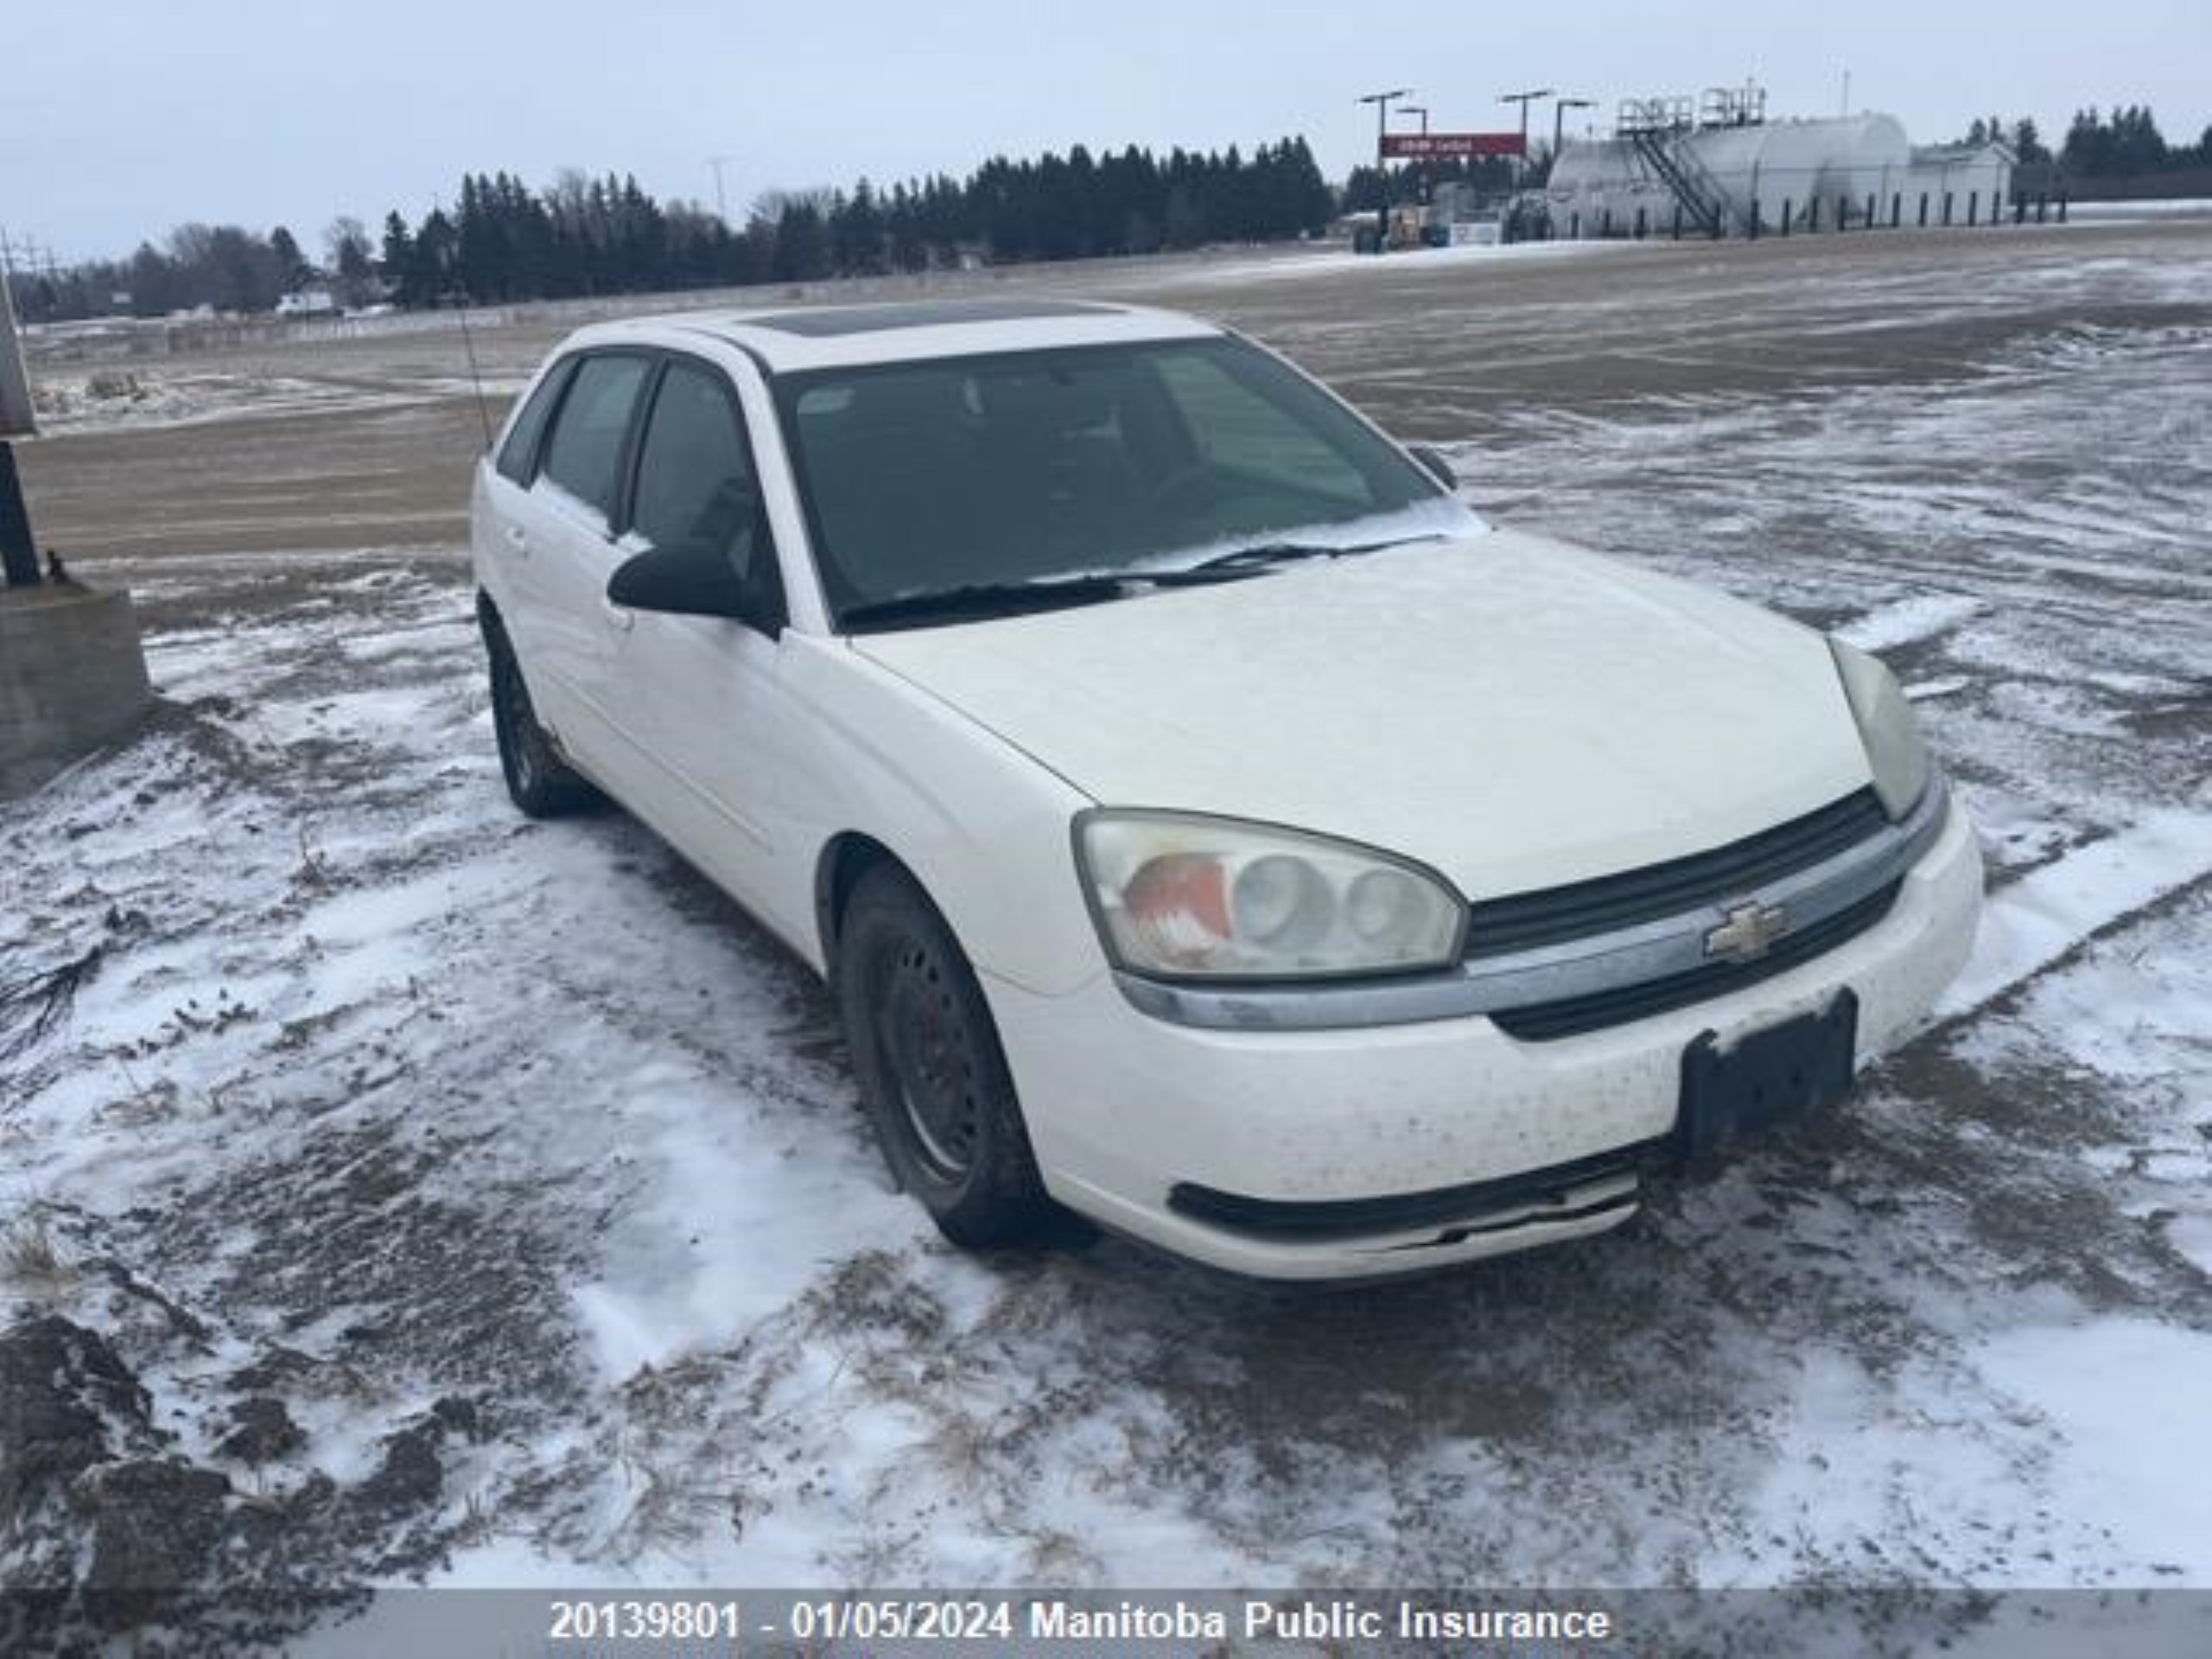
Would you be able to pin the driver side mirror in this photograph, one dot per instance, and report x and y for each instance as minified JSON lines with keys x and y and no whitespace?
{"x":685,"y":582}
{"x":1438,"y":466}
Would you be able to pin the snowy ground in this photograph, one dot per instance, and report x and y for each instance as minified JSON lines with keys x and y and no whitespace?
{"x":525,"y":1177}
{"x":139,"y":397}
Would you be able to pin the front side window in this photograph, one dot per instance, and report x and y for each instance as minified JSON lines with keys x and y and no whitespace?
{"x":584,"y":456}
{"x":921,"y":478}
{"x":697,"y":492}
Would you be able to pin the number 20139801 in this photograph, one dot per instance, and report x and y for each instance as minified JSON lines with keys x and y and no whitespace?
{"x":646,"y":1620}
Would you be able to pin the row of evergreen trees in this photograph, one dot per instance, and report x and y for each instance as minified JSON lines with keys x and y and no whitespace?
{"x":2127,"y":145}
{"x":505,"y":241}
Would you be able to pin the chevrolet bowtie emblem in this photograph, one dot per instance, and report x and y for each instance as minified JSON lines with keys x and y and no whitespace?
{"x":1749,"y":933}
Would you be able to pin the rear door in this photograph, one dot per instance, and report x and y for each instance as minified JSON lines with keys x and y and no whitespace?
{"x":567,"y":633}
{"x":500,"y":511}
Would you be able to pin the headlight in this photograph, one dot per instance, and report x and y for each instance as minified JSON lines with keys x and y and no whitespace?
{"x":1212,"y":898}
{"x":1886,"y":727}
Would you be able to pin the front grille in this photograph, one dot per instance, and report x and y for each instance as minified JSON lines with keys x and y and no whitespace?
{"x":1525,"y":920}
{"x":1539,"y":1022}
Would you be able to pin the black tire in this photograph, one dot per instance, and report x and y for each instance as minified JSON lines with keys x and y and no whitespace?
{"x":540,"y":782}
{"x":930,"y":1072}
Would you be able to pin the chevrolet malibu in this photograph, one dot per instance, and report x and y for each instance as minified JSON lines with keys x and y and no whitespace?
{"x":1204,"y":820}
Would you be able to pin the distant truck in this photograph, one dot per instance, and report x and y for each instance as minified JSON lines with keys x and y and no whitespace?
{"x":308,"y":303}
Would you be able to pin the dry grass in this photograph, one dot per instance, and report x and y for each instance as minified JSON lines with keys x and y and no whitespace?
{"x":32,"y":1260}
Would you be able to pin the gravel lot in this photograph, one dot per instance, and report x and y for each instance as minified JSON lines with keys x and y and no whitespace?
{"x":429,"y":1194}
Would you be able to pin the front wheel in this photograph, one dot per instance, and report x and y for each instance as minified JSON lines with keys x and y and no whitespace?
{"x":930,"y":1072}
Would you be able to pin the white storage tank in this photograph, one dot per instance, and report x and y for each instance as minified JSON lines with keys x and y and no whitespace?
{"x":1833,"y":168}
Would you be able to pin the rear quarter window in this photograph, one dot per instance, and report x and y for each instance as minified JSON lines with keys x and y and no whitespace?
{"x":519,"y":455}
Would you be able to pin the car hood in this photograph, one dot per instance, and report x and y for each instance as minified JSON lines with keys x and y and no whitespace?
{"x":1512,"y":711}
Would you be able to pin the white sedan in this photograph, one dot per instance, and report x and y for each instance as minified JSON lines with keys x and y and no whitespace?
{"x":1206,"y":822}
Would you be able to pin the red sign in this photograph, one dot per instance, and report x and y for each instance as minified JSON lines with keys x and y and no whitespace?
{"x":1441,"y":146}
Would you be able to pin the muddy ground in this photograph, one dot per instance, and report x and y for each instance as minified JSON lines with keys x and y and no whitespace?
{"x":405,"y":1192}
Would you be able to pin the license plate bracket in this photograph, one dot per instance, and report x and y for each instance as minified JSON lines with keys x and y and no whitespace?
{"x":1766,"y":1077}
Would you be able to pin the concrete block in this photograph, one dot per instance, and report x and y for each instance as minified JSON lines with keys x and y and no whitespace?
{"x":73,"y":678}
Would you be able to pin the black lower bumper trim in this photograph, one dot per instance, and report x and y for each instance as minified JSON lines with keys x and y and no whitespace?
{"x":1320,"y":1220}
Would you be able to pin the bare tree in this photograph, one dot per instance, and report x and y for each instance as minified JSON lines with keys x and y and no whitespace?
{"x":351,"y":258}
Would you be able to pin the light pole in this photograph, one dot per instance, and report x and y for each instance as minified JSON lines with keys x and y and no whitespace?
{"x":1559,"y":122}
{"x":721,"y":200}
{"x":1382,"y":101}
{"x":1421,"y":166}
{"x":1524,"y":100}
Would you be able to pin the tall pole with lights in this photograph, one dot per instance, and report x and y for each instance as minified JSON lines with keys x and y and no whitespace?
{"x":1524,"y":100}
{"x":1420,"y":168}
{"x":1559,"y":122}
{"x":1382,"y":101}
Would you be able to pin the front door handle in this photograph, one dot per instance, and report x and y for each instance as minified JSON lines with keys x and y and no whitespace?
{"x":519,"y":539}
{"x":617,"y":616}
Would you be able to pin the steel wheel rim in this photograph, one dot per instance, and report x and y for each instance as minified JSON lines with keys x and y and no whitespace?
{"x":926,"y":1052}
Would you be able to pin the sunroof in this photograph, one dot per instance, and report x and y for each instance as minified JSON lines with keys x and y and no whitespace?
{"x":830,"y":323}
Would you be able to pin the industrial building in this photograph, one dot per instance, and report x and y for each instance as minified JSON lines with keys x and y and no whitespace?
{"x":1720,"y":167}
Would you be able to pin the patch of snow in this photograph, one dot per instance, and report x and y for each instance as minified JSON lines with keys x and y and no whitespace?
{"x":2037,"y":919}
{"x":2116,"y":1465}
{"x":1948,"y":685}
{"x":2192,"y":1236}
{"x":1919,"y":618}
{"x":1292,"y":268}
{"x":2123,"y":210}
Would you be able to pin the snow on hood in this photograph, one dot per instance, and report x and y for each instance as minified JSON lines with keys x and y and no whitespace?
{"x":1511,"y":710}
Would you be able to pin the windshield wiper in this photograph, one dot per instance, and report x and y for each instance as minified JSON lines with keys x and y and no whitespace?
{"x":979,"y":600}
{"x":1264,"y":556}
{"x":983,"y":599}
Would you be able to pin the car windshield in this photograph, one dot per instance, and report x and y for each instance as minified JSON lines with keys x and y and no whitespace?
{"x":981,"y":475}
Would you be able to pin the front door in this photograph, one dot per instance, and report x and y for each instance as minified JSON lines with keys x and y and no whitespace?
{"x":703,"y":701}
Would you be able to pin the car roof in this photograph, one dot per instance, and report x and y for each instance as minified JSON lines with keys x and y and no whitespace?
{"x":793,"y":339}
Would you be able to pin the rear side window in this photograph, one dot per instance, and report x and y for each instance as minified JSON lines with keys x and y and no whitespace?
{"x":584,"y":456}
{"x":519,"y":455}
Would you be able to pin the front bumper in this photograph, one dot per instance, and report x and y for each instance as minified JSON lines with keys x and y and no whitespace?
{"x":1124,"y":1109}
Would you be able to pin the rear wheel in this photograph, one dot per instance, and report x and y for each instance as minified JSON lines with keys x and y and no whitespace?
{"x":930,"y":1072}
{"x":540,"y":783}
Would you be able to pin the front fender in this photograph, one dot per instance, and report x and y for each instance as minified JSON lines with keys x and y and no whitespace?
{"x":982,"y":826}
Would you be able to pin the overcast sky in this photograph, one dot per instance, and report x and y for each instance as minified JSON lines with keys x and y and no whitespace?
{"x":122,"y":117}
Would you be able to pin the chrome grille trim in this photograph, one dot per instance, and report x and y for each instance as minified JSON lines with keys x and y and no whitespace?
{"x":1667,"y":948}
{"x":1522,"y":921}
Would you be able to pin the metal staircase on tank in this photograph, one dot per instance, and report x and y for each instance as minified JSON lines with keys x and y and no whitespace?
{"x":1654,"y":129}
